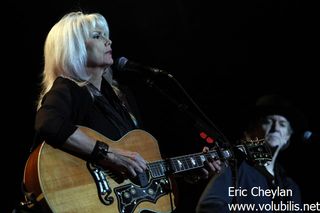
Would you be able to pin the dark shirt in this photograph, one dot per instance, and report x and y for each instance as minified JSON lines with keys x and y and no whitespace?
{"x":68,"y":105}
{"x":254,"y":184}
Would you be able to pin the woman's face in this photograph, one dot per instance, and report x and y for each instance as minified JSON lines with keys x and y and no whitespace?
{"x":99,"y":50}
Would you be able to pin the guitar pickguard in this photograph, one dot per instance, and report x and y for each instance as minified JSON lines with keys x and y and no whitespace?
{"x":130,"y":195}
{"x":104,"y":190}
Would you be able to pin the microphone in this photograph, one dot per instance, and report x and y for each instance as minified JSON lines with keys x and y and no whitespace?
{"x":122,"y":64}
{"x":310,"y":137}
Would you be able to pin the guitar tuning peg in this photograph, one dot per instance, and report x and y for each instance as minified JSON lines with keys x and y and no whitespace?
{"x":256,"y":139}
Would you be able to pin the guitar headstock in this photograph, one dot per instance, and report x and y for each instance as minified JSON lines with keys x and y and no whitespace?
{"x":257,"y":151}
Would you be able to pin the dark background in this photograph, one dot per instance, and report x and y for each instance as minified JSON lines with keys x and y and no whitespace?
{"x":224,"y":53}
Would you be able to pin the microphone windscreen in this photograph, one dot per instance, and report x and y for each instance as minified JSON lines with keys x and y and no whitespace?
{"x":307,"y":135}
{"x":120,"y":63}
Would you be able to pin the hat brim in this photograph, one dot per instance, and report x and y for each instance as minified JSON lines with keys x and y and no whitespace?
{"x":296,"y":118}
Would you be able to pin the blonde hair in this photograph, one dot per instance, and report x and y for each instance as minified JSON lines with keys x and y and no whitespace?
{"x":65,"y":52}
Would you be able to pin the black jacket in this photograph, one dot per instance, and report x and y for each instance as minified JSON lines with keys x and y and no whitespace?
{"x":67,"y":105}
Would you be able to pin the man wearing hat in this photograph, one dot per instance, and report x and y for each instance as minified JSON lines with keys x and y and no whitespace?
{"x":246,"y":186}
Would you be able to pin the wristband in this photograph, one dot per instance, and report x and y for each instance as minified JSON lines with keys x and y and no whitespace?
{"x":100,"y":152}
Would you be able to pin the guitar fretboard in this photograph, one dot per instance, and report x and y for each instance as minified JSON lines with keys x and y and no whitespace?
{"x":184,"y":163}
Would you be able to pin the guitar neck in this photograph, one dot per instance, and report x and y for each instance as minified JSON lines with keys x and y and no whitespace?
{"x":185,"y":163}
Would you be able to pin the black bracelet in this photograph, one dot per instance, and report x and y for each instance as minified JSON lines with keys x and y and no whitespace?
{"x":99,"y":152}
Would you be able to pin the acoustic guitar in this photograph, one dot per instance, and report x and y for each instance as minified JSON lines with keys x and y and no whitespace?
{"x":61,"y":182}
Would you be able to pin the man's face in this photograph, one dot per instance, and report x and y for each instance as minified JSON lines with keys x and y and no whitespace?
{"x":276,"y":129}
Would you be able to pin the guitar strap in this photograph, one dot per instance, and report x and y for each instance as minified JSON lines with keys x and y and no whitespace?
{"x":235,"y":163}
{"x":31,"y":203}
{"x":34,"y":142}
{"x":274,"y":181}
{"x":234,"y":166}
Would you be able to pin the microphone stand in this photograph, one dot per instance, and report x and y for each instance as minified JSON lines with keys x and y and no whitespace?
{"x":211,"y":130}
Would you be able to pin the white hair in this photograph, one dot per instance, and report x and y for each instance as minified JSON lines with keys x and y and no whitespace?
{"x":65,"y":52}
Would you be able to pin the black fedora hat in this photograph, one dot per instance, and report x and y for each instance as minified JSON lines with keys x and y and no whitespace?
{"x":274,"y":104}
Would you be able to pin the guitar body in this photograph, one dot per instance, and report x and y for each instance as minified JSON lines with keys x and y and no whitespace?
{"x":62,"y":182}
